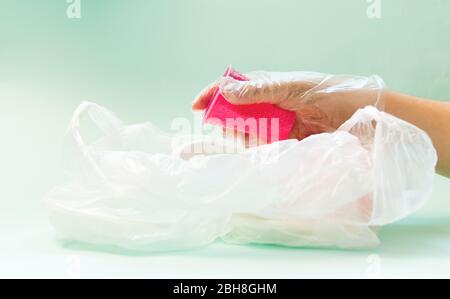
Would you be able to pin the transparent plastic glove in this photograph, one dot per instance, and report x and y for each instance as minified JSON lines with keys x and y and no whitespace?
{"x":322,"y":102}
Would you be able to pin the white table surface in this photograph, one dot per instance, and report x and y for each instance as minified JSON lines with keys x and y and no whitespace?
{"x":416,"y":247}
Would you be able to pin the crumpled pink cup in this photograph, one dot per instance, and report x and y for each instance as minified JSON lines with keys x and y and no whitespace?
{"x":267,"y":121}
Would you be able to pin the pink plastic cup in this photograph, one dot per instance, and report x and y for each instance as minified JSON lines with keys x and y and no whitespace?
{"x":267,"y":121}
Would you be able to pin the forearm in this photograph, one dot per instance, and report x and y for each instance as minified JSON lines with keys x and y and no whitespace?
{"x":431,"y":116}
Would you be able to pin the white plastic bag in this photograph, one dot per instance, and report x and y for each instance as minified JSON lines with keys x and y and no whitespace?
{"x":130,"y":189}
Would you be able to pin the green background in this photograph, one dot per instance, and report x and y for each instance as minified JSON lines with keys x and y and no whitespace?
{"x":146,"y":60}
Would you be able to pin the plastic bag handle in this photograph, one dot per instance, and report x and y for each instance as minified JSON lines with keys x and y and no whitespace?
{"x":104,"y":119}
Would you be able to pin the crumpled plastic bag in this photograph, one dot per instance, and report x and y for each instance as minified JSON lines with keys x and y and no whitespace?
{"x":130,"y":189}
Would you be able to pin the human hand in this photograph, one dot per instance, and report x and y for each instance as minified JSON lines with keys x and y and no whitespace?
{"x":322,"y":102}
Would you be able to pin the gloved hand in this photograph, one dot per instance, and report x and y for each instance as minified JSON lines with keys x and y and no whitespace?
{"x":322,"y":102}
